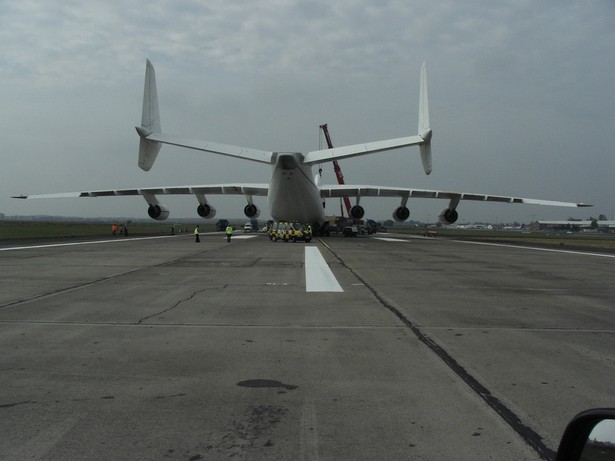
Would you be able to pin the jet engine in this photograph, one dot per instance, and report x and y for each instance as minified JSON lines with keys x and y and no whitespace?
{"x":448,"y":216}
{"x":251,"y":211}
{"x":401,"y":213}
{"x":205,"y":210}
{"x":357,"y":212}
{"x":158,"y":212}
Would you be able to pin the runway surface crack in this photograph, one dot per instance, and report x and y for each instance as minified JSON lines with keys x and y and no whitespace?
{"x":95,"y":281}
{"x":164,"y":311}
{"x":531,"y":437}
{"x":71,"y":288}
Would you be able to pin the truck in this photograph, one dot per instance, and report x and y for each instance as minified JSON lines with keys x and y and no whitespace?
{"x":251,"y":226}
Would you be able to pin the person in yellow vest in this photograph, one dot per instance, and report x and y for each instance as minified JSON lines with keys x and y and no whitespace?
{"x":229,"y":232}
{"x":196,"y":234}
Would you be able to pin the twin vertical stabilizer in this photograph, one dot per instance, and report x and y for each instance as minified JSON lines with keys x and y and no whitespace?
{"x":424,"y":128}
{"x":422,"y":139}
{"x":150,"y":120}
{"x":152,"y":138}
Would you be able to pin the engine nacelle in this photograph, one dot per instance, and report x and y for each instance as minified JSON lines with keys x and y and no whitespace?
{"x":357,"y":212}
{"x":448,"y":216}
{"x":401,"y":213}
{"x":158,"y":212}
{"x":205,"y":210}
{"x":251,"y":211}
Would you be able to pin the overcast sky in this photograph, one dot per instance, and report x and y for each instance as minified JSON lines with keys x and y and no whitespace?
{"x":522,"y":98}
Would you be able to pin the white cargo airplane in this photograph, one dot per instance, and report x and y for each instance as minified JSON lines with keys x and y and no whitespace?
{"x":294,"y":193}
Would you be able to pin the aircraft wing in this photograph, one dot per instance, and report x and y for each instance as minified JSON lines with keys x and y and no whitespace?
{"x":216,"y":189}
{"x":377,"y":191}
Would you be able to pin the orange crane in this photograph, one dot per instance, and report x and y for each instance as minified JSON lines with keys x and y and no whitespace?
{"x":336,"y":167}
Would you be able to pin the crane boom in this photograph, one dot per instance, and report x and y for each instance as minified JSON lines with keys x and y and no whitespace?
{"x":336,"y":166}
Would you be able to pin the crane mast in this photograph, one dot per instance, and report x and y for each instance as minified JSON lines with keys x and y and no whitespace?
{"x":336,"y":167}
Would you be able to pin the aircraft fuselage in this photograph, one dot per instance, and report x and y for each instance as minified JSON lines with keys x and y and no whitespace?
{"x":293,"y":193}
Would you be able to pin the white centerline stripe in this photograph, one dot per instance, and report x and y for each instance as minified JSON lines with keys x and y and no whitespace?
{"x":318,"y":275}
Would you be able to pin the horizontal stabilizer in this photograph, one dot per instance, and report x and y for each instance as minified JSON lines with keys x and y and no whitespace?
{"x":215,"y":148}
{"x":423,"y":139}
{"x":152,"y":138}
{"x":327,"y":155}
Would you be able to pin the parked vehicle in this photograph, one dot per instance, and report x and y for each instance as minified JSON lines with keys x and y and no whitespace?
{"x":290,"y":231}
{"x":350,"y":231}
{"x":222,"y":224}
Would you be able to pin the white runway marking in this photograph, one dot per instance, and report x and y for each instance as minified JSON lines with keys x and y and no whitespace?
{"x":389,"y":239}
{"x":117,"y":240}
{"x":318,"y":275}
{"x":553,"y":250}
{"x":94,"y":242}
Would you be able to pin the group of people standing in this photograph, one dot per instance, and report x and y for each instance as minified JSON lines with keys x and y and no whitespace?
{"x":122,"y":229}
{"x":229,"y":233}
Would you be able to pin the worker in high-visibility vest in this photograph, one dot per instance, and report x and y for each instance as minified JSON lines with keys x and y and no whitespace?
{"x":229,"y":232}
{"x":196,"y":234}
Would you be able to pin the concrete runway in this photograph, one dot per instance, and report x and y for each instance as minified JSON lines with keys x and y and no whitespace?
{"x":165,"y":349}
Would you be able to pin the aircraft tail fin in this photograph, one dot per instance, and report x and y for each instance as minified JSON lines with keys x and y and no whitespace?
{"x":422,"y":139}
{"x":424,"y":127}
{"x":150,"y":120}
